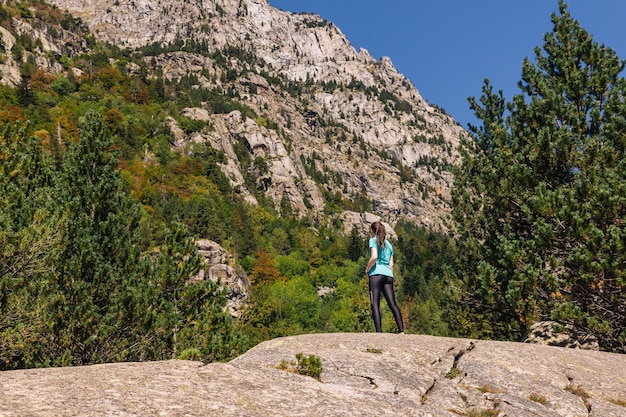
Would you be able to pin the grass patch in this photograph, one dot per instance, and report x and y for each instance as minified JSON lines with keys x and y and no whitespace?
{"x":615,"y":401}
{"x":578,"y":391}
{"x":482,"y":413}
{"x":538,"y":398}
{"x":453,"y":373}
{"x":488,"y":388}
{"x":285,"y":365}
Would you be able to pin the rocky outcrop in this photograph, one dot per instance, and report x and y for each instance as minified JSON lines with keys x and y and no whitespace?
{"x":362,"y":223}
{"x":51,"y":43}
{"x":218,"y":270}
{"x":364,"y":374}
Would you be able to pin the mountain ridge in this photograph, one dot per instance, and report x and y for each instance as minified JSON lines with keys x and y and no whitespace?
{"x":326,"y":121}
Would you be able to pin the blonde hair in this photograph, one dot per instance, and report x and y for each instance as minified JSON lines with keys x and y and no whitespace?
{"x":379,"y":231}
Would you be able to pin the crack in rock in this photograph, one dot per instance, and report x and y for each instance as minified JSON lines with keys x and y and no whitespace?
{"x":439,"y":360}
{"x":461,"y":353}
{"x":369,"y":378}
{"x":428,"y":390}
{"x":457,"y":357}
{"x":579,"y":392}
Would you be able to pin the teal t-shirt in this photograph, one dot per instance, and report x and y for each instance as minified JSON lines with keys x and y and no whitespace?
{"x":382,"y":265}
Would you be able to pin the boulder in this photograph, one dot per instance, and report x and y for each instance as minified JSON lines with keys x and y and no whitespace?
{"x":551,"y":333}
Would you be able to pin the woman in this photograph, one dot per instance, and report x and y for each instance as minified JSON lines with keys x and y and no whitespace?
{"x":380,"y":271}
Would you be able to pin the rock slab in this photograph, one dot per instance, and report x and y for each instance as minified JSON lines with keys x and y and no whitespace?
{"x":364,"y":374}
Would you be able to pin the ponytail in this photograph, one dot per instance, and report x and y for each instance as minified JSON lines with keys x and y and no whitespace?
{"x":379,"y":231}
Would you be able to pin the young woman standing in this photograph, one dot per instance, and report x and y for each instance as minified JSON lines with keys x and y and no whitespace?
{"x":380,"y":271}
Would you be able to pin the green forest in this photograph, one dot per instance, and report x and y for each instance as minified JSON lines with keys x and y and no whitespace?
{"x":98,"y":215}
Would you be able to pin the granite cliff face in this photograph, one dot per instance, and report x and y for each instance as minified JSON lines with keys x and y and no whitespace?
{"x":329,"y":121}
{"x":364,"y":374}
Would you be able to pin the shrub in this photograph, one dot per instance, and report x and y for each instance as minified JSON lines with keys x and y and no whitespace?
{"x":307,"y":365}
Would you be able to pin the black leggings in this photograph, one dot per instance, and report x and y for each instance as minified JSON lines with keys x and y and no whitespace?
{"x":384,"y":284}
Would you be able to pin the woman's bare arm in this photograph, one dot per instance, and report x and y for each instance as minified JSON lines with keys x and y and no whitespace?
{"x":372,"y":261}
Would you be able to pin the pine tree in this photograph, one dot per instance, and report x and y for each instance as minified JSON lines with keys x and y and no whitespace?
{"x":29,"y":241}
{"x":110,"y":302}
{"x":100,"y":261}
{"x":26,"y":181}
{"x":540,"y":198}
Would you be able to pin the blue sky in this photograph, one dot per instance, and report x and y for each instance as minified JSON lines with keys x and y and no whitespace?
{"x":448,"y":47}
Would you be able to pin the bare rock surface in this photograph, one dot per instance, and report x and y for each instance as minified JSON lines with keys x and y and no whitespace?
{"x":364,"y":374}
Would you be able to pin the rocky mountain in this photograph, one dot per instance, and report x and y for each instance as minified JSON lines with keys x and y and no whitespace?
{"x":362,"y":374}
{"x":320,"y":121}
